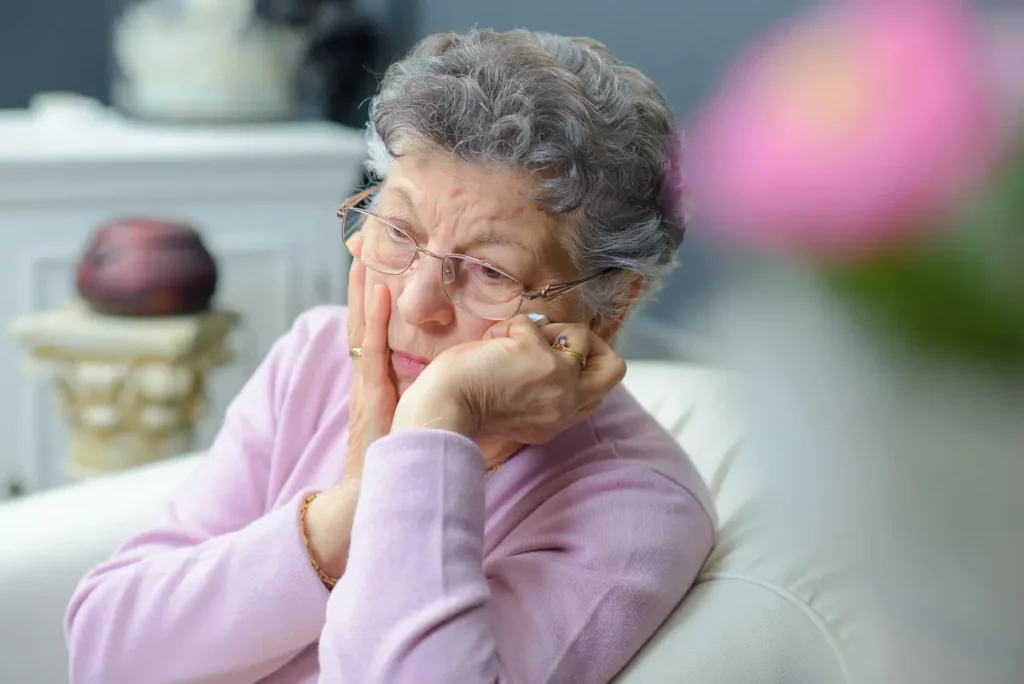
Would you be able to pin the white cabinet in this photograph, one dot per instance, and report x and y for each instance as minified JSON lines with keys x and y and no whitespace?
{"x":263,"y":196}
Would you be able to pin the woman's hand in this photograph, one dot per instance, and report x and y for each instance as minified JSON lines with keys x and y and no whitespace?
{"x":513,"y":385}
{"x":372,"y":401}
{"x":373,"y":396}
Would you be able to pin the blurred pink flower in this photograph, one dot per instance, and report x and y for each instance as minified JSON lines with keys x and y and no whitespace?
{"x":845,"y":132}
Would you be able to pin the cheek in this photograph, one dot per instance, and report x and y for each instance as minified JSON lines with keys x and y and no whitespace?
{"x":372,"y":278}
{"x":393,"y":284}
{"x":471,"y":328}
{"x":564,"y":309}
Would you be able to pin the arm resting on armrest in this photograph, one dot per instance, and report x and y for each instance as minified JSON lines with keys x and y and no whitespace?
{"x":221,"y":559}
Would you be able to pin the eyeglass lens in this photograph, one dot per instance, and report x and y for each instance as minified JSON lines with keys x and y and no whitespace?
{"x":471,"y":284}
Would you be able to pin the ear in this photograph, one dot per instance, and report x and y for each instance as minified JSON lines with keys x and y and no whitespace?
{"x":607,"y":329}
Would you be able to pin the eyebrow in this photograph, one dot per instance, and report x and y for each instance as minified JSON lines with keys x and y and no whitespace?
{"x":485,"y":238}
{"x":490,"y":238}
{"x":403,"y":196}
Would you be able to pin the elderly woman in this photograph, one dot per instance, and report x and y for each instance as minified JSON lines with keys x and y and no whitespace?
{"x":442,"y":482}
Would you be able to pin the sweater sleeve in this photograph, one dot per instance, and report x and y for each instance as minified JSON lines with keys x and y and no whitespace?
{"x":570,"y":596}
{"x":216,"y":590}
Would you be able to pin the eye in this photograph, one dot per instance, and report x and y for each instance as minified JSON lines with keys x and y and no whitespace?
{"x":396,"y":234}
{"x":490,"y":276}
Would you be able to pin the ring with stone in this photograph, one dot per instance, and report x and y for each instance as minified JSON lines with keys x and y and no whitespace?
{"x":562,"y":345}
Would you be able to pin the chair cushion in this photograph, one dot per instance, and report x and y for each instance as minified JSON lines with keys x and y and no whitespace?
{"x":753,"y":615}
{"x":756,"y":614}
{"x":49,"y":541}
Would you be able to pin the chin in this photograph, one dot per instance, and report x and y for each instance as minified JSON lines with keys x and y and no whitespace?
{"x":403,"y":381}
{"x":402,"y":384}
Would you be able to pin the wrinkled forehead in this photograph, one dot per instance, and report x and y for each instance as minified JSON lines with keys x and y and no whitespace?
{"x":436,"y":184}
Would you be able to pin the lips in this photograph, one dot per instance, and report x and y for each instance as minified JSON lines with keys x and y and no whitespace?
{"x":408,"y":365}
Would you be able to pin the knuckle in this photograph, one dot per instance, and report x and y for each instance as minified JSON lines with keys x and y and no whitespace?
{"x":619,"y":369}
{"x":578,"y":332}
{"x":549,"y":366}
{"x":520,"y":346}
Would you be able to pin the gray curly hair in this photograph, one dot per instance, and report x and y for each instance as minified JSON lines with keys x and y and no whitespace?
{"x":594,"y":134}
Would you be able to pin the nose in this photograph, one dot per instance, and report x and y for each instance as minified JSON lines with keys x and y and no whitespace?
{"x":422,"y":301}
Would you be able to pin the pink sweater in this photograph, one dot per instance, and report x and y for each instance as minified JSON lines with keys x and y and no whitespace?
{"x":558,"y":570}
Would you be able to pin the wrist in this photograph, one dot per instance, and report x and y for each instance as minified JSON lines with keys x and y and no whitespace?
{"x":433,"y":411}
{"x":327,"y":527}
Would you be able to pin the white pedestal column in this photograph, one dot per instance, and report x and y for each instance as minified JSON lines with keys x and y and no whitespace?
{"x":131,"y":389}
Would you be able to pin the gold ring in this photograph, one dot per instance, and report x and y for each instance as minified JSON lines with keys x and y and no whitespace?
{"x":355,"y":352}
{"x":563,"y":346}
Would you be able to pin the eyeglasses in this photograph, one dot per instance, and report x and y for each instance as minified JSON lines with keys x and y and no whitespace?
{"x":473,"y":285}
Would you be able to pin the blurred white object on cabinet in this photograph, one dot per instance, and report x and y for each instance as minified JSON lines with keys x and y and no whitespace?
{"x":264,"y":197}
{"x":207,"y":60}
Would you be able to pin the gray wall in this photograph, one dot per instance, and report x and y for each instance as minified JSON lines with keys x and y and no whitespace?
{"x":52,"y":45}
{"x":681,"y":44}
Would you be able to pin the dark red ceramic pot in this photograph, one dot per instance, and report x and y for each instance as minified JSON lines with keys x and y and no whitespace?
{"x":146,"y":267}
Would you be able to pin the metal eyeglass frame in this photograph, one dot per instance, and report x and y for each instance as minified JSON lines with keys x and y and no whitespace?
{"x":544,"y":293}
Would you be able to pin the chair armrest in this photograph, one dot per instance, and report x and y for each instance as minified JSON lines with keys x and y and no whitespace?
{"x":48,"y":541}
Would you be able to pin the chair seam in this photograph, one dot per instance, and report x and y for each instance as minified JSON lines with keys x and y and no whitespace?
{"x":789,"y":597}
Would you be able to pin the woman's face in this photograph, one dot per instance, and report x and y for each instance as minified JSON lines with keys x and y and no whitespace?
{"x":451,"y":207}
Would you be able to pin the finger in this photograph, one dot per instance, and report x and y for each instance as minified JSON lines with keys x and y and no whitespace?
{"x":516,"y":326}
{"x":605,"y":369}
{"x":355,"y":245}
{"x":375,"y":341}
{"x":356,"y":295}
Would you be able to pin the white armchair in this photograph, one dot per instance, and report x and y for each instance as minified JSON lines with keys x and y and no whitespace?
{"x":751,"y":617}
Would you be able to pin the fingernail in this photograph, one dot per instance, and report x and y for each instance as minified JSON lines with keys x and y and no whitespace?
{"x":539,"y":319}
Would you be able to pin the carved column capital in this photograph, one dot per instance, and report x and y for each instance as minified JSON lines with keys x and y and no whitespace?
{"x":131,"y":389}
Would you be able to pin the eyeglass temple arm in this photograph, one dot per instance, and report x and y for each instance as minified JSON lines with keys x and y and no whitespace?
{"x":355,"y":199}
{"x":551,"y":291}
